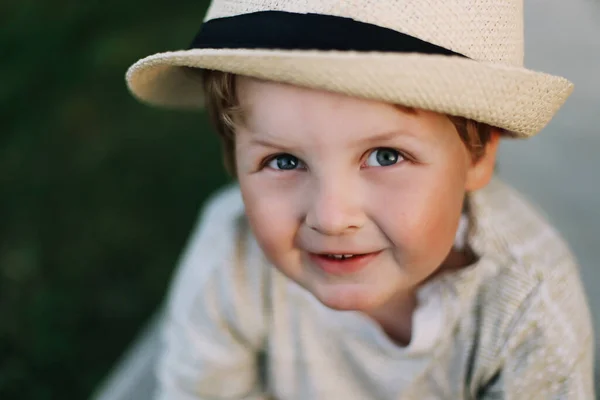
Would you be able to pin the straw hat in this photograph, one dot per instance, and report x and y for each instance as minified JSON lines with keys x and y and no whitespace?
{"x":458,"y":57}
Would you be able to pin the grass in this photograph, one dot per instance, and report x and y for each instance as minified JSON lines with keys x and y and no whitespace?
{"x":99,"y":191}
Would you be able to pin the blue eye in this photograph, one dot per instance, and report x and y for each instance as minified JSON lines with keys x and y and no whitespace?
{"x":285,"y":162}
{"x":384,"y":157}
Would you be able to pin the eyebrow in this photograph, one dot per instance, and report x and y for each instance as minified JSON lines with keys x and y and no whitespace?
{"x":384,"y":137}
{"x":370,"y":140}
{"x":265,"y":142}
{"x":388,"y":136}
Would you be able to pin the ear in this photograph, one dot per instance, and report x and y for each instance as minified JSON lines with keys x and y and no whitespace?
{"x":481,"y":170}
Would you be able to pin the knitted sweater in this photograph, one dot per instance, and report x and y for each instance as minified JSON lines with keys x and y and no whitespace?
{"x":514,"y":325}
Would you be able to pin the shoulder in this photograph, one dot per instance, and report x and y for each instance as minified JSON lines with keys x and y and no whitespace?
{"x":535,"y":329}
{"x":534,"y":299}
{"x":222,"y":209}
{"x":221,"y":270}
{"x":515,"y":233}
{"x":213,"y":236}
{"x":531,"y":254}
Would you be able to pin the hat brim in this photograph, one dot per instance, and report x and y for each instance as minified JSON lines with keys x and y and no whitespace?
{"x":515,"y":99}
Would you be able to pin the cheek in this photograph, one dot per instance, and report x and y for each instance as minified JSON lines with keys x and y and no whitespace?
{"x":420,"y":214}
{"x":435,"y":226}
{"x":271,"y":214}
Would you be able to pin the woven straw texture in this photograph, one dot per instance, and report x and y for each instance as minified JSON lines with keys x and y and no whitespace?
{"x":489,"y":30}
{"x":492,"y":86}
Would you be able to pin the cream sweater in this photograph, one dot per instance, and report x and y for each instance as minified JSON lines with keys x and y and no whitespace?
{"x":515,"y":325}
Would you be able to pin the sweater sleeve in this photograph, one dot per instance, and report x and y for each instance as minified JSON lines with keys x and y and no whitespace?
{"x":214,"y":323}
{"x":548,"y":354}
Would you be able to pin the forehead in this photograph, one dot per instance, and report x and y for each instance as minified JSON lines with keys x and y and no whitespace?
{"x":276,"y":109}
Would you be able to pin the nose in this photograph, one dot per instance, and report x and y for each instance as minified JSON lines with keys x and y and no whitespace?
{"x":335,"y":208}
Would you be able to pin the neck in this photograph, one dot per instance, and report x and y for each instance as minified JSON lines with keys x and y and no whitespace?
{"x":396,"y":315}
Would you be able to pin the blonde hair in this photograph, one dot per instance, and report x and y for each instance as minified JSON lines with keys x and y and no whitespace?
{"x":223,"y":110}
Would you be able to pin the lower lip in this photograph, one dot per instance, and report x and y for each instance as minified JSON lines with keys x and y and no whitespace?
{"x":343,"y":267}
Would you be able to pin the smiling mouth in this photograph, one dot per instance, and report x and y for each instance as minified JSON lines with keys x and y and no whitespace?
{"x":342,"y":264}
{"x":340,"y":256}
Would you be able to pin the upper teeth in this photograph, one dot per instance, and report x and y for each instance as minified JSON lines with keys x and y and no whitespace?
{"x":340,"y":256}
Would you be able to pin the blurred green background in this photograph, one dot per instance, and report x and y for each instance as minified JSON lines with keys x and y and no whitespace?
{"x":98,"y":191}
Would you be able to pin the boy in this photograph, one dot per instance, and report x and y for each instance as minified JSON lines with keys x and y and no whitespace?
{"x":368,"y":252}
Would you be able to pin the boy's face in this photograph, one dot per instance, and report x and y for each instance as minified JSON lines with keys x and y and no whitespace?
{"x":323,"y":173}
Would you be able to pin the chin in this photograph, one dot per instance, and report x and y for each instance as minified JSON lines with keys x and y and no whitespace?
{"x":349,"y":297}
